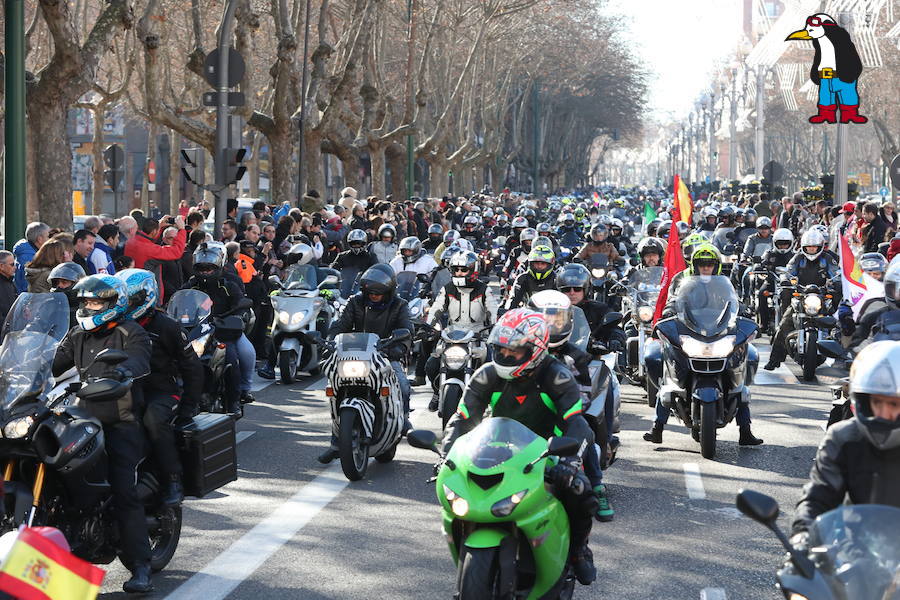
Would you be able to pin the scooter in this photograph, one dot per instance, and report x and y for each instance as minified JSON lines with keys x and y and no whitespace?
{"x":301,"y":315}
{"x":854,"y":550}
{"x":704,"y":364}
{"x":507,"y":532}
{"x":364,"y":395}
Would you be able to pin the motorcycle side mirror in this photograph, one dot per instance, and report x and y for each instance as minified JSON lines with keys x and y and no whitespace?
{"x":275,"y":281}
{"x":563,"y":446}
{"x":831,"y":348}
{"x":634,"y":262}
{"x":756,"y":259}
{"x":729,"y":249}
{"x":729,"y":235}
{"x":423,"y":439}
{"x":764,"y":510}
{"x":422,"y":277}
{"x":331,"y":281}
{"x":111,"y":356}
{"x":610,"y":319}
{"x":620,"y":262}
{"x":244,"y":303}
{"x":401,"y":335}
{"x":103,"y":390}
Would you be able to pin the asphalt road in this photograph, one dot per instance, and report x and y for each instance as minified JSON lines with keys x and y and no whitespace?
{"x":291,"y":528}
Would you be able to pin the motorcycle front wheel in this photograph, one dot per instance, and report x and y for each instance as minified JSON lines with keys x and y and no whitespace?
{"x":810,"y":358}
{"x":353,"y":451}
{"x":479,"y":575}
{"x":450,"y":404}
{"x":287,"y":364}
{"x":708,"y":430}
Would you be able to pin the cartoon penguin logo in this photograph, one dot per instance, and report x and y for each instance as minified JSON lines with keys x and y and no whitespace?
{"x":835,"y":69}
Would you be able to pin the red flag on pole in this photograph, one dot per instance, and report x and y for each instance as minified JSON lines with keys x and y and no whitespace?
{"x":683,"y":206}
{"x":672,"y":265}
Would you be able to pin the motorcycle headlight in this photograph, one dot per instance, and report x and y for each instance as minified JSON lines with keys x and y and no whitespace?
{"x":458,"y":505}
{"x":504,"y":507}
{"x":598,"y":273}
{"x":199,"y":345}
{"x":284,"y":317}
{"x":717,"y":349}
{"x":812,"y":304}
{"x":645,"y":313}
{"x":353,"y":369}
{"x":17,"y":428}
{"x":455,"y":357}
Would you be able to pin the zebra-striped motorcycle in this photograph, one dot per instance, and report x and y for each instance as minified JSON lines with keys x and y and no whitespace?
{"x":366,"y":403}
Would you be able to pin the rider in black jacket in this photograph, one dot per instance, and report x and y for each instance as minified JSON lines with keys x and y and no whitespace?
{"x":102,"y":325}
{"x":377,"y":309}
{"x":539,"y":276}
{"x":525,"y":384}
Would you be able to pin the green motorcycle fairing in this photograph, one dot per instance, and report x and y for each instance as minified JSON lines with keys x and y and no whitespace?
{"x":490,"y":497}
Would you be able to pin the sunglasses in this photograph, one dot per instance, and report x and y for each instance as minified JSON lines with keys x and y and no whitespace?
{"x":566,"y":290}
{"x":462,"y":270}
{"x":818,"y":22}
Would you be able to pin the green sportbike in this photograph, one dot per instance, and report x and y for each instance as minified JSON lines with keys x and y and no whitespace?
{"x":508,"y":534}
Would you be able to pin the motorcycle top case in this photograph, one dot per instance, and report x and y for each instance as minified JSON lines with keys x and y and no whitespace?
{"x":208,"y":453}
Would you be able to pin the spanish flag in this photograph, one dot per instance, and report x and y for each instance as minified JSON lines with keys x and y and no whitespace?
{"x":36,"y":568}
{"x":683,"y":205}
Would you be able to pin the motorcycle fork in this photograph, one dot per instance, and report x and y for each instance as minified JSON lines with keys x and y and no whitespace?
{"x":36,"y":491}
{"x":8,"y":470}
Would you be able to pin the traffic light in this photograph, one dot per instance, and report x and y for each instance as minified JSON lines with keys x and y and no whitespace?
{"x":234,"y":170}
{"x":193,"y":170}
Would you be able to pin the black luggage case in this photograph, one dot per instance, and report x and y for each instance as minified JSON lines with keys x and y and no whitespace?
{"x":208,"y":453}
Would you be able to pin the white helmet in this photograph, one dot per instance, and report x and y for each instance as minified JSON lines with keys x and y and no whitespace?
{"x":464,"y":244}
{"x":876,"y":370}
{"x":782,"y":235}
{"x":557,"y":311}
{"x":814,"y":238}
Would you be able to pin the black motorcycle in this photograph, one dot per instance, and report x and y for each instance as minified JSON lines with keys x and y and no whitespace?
{"x":53,"y":456}
{"x":813,"y":307}
{"x":709,"y":361}
{"x":854,"y":550}
{"x":207,"y":335}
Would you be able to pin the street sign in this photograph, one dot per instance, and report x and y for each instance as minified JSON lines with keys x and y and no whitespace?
{"x":236,"y":68}
{"x":151,"y":172}
{"x":895,"y":171}
{"x":773,"y":171}
{"x":884,"y":191}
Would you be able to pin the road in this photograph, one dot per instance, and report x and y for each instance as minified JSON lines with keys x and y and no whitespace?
{"x":291,"y":528}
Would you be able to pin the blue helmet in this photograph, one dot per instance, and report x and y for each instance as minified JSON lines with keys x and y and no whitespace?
{"x":111,"y":290}
{"x":143,"y":291}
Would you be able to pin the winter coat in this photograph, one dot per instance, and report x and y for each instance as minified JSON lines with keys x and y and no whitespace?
{"x":37,"y":279}
{"x":24,"y":252}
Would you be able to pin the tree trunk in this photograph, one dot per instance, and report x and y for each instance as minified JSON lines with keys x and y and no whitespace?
{"x":52,"y":172}
{"x":209,"y":176}
{"x":175,"y":194}
{"x":312,"y":154}
{"x":396,"y":159}
{"x":479,"y":176}
{"x":498,"y":173}
{"x":32,"y":206}
{"x":280,"y":171}
{"x":253,"y":165}
{"x":98,"y":186}
{"x":438,"y":179}
{"x":152,"y":143}
{"x":376,"y":156}
{"x":351,"y":170}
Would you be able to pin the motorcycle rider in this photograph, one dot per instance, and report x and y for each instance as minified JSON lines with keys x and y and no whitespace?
{"x":472,"y":231}
{"x":62,"y":278}
{"x":574,"y":280}
{"x":175,"y":381}
{"x":620,"y":242}
{"x":209,"y":278}
{"x":385,"y":247}
{"x":518,"y":225}
{"x":355,"y":257}
{"x":747,"y":228}
{"x":538,"y":276}
{"x":569,"y":233}
{"x":760,"y":241}
{"x":651,"y":252}
{"x":557,"y":311}
{"x":502,"y":227}
{"x":519,"y":254}
{"x":598,"y":244}
{"x":450,"y":236}
{"x":858,"y":458}
{"x":376,"y":309}
{"x":779,"y":255}
{"x":413,"y":257}
{"x":709,"y":219}
{"x":463,"y":302}
{"x":705,"y":262}
{"x":435,"y":237}
{"x":810,"y":267}
{"x":870,"y":317}
{"x":721,"y":237}
{"x":523,"y":382}
{"x":101,"y":325}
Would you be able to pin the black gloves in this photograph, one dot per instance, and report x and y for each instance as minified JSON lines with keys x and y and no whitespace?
{"x":117,"y":373}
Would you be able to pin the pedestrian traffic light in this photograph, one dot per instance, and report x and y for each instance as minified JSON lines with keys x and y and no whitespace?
{"x":192,"y":171}
{"x":234,"y":170}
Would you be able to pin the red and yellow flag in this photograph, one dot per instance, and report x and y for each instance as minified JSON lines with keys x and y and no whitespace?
{"x":38,"y":569}
{"x":684,"y":206}
{"x":673,"y":263}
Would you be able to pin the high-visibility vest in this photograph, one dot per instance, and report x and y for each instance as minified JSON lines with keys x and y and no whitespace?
{"x":245,"y":268}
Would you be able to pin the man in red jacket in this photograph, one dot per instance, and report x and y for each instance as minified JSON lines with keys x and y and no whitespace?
{"x":144,"y":247}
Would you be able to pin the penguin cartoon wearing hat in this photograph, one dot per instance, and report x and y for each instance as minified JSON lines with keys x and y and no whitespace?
{"x":835,"y":69}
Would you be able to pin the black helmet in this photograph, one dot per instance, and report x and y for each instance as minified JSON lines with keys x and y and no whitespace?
{"x":209,"y":260}
{"x":378,"y":279}
{"x":574,"y":275}
{"x":70,"y":272}
{"x":892,"y":285}
{"x":436,"y":232}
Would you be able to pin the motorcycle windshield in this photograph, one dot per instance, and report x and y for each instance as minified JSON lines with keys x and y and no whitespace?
{"x":863,"y":543}
{"x":495,"y":441}
{"x":35,"y":325}
{"x":645,"y":279}
{"x":301,"y":277}
{"x":707,"y":305}
{"x":581,"y":329}
{"x":189,"y":307}
{"x":408,"y":285}
{"x":599,"y":260}
{"x":456,"y":335}
{"x":349,"y":281}
{"x":355,"y":342}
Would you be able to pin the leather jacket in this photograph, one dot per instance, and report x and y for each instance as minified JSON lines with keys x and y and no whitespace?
{"x":465,"y":308}
{"x":360,"y":316}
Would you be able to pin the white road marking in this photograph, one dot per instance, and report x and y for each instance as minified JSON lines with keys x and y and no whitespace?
{"x":713,"y":594}
{"x":243,"y":435}
{"x":780,"y":376}
{"x":693,"y":481}
{"x":220,"y":577}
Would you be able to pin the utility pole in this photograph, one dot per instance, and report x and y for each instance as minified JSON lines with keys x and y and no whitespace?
{"x":301,"y":167}
{"x":732,"y":129}
{"x":535,"y":187}
{"x":712,"y":137}
{"x":759,"y":147}
{"x":840,"y":171}
{"x":698,"y":133}
{"x":14,"y":122}
{"x":223,"y":112}
{"x":410,"y":158}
